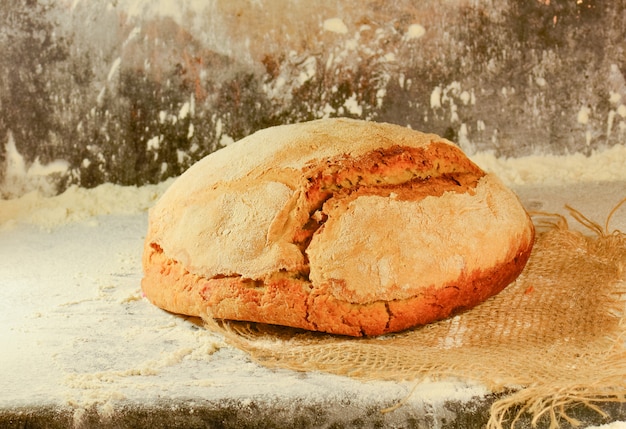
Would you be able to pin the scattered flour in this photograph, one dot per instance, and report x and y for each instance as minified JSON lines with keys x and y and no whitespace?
{"x":78,"y":204}
{"x":415,"y":31}
{"x":601,"y":166}
{"x":614,"y":425}
{"x":18,"y":177}
{"x":77,"y":332}
{"x":583,"y":115}
{"x":335,"y":25}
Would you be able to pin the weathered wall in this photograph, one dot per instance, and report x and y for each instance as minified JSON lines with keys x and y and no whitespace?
{"x":135,"y":91}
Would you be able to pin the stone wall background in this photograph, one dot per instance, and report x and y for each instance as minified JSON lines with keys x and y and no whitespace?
{"x":135,"y":91}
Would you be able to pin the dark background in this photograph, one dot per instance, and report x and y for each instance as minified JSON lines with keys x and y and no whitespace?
{"x":133,"y":92}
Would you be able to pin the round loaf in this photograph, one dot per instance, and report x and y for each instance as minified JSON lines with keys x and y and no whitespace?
{"x":336,"y":225}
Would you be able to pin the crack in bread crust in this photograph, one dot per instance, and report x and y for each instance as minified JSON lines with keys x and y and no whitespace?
{"x":398,"y":172}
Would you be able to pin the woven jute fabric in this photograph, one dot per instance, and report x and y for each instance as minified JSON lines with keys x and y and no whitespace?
{"x":552,"y":339}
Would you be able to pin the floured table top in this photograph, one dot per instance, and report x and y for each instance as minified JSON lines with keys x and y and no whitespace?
{"x":77,"y":334}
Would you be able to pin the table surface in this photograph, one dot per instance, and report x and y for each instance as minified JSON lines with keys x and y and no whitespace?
{"x":81,"y":345}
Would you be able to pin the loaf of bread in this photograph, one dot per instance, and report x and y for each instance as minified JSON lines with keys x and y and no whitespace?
{"x":336,"y":225}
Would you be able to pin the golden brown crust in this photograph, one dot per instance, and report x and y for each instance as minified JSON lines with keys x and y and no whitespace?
{"x":283,"y":300}
{"x":359,"y":229}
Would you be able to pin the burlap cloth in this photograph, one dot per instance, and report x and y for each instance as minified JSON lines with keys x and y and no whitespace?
{"x":552,"y":339}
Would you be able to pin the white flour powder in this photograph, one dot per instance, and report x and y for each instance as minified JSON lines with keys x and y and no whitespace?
{"x":75,"y":329}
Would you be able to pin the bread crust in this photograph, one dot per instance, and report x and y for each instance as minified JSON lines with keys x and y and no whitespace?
{"x":341,"y":226}
{"x":282,"y":300}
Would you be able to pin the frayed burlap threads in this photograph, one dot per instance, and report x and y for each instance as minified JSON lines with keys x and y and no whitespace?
{"x":553,"y":338}
{"x":552,"y":403}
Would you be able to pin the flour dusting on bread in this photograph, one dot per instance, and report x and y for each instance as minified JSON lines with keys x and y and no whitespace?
{"x":337,"y":225}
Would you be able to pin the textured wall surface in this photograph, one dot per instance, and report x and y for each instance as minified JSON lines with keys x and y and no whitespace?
{"x":135,"y":91}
